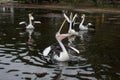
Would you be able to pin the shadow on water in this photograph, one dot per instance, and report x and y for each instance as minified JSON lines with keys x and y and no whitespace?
{"x":21,"y":54}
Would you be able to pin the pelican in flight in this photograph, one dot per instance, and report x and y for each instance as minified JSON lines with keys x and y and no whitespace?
{"x":30,"y":25}
{"x":59,"y":55}
{"x":83,"y":27}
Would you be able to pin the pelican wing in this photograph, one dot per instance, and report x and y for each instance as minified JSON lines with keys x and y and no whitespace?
{"x":66,"y":17}
{"x":23,"y":22}
{"x":74,"y":17}
{"x":74,"y":49}
{"x":46,"y":51}
{"x":37,"y":22}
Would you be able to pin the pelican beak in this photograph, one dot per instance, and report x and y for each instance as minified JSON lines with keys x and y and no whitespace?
{"x":71,"y":15}
{"x":63,"y":36}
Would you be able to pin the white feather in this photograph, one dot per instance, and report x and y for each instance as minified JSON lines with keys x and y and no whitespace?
{"x":74,"y":49}
{"x":37,"y":22}
{"x":74,"y":17}
{"x":23,"y":22}
{"x":46,"y":51}
{"x":66,"y":17}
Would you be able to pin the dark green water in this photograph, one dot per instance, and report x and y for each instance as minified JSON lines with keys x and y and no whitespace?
{"x":21,"y":59}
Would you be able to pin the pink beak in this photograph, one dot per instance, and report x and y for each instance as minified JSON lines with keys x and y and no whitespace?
{"x":63,"y":36}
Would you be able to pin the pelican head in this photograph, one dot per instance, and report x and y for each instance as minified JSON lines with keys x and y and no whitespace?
{"x":83,"y":16}
{"x":31,"y":17}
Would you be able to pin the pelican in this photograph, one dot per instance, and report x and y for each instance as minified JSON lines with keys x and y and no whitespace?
{"x":71,"y":31}
{"x":70,"y":21}
{"x":63,"y":55}
{"x":59,"y":55}
{"x":81,"y":26}
{"x":30,"y":25}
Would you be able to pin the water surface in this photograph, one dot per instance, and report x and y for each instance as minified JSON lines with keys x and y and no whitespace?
{"x":21,"y":55}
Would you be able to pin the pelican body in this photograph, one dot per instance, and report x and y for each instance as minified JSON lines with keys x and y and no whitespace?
{"x":59,"y":54}
{"x":30,"y":25}
{"x":63,"y":55}
{"x":81,"y":26}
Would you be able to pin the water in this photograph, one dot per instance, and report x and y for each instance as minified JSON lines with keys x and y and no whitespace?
{"x":21,"y":58}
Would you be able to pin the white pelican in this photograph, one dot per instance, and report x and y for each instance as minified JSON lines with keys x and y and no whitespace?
{"x":81,"y":26}
{"x":70,"y":21}
{"x":63,"y":55}
{"x":59,"y":55}
{"x":30,"y":25}
{"x":71,"y":31}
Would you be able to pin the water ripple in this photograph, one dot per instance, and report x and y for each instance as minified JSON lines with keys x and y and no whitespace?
{"x":21,"y":57}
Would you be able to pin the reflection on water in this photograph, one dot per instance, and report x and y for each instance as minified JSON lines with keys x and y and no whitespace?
{"x":7,"y":13}
{"x":21,"y":57}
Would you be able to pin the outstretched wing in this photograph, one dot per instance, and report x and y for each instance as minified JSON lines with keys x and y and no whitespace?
{"x":23,"y":22}
{"x":66,"y":17}
{"x":39,"y":22}
{"x":74,"y":49}
{"x":47,"y":50}
{"x":74,"y":17}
